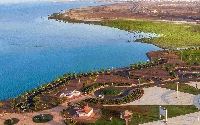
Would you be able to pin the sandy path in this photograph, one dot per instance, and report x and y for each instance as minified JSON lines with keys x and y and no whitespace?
{"x":26,"y":118}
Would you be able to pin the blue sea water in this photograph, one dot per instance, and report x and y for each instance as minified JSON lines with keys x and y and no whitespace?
{"x":35,"y":50}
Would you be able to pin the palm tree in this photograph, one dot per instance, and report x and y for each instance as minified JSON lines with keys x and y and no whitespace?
{"x":80,"y":74}
{"x":91,"y":72}
{"x":132,"y":65}
{"x":97,"y":72}
{"x":40,"y":87}
{"x":74,"y":75}
{"x":102,"y":70}
{"x":12,"y":103}
{"x":144,"y":64}
{"x":35,"y":90}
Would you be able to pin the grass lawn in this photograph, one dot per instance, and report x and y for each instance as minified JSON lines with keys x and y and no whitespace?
{"x":141,"y":114}
{"x":182,"y":87}
{"x":111,"y":91}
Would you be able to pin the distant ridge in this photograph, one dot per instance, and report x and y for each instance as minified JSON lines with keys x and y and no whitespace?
{"x":128,"y":0}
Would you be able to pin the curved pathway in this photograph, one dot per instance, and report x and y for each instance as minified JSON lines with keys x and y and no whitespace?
{"x":125,"y":91}
{"x":26,"y":118}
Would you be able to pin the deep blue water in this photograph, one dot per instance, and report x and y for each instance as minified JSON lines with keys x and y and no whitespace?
{"x":35,"y":50}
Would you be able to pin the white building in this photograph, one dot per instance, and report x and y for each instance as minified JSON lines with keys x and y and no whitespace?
{"x":85,"y":111}
{"x":70,"y":94}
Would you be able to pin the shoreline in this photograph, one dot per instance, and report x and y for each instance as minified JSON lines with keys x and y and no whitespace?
{"x":137,"y":11}
{"x":142,"y":75}
{"x":121,"y":73}
{"x":119,"y":68}
{"x":119,"y":16}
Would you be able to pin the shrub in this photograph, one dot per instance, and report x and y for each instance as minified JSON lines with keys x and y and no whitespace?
{"x":42,"y":118}
{"x":11,"y":121}
{"x":1,"y":104}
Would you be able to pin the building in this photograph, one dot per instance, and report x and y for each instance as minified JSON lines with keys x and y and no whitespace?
{"x":85,"y":111}
{"x":70,"y":94}
{"x":126,"y":115}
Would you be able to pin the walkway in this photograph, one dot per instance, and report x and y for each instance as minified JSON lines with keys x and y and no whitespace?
{"x":162,"y":96}
{"x":188,"y":119}
{"x":26,"y":118}
{"x":152,"y":96}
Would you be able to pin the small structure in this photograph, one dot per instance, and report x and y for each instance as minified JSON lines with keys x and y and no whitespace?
{"x":101,"y":96}
{"x":70,"y":94}
{"x":126,"y":115}
{"x":85,"y":111}
{"x":163,"y":112}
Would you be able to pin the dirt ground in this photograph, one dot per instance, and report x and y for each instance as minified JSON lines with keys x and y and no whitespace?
{"x":173,"y":11}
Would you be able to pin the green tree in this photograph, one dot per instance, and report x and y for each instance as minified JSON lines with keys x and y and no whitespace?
{"x":103,"y":70}
{"x":1,"y":104}
{"x":91,"y":72}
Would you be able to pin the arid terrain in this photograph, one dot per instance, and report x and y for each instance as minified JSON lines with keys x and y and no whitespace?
{"x":173,"y":11}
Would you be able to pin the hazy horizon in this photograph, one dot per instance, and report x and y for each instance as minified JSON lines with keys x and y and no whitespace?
{"x":20,"y":1}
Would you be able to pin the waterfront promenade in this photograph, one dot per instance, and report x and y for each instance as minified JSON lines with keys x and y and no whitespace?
{"x":152,"y":96}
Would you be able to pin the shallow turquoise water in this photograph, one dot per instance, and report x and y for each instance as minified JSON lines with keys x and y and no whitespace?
{"x":35,"y":50}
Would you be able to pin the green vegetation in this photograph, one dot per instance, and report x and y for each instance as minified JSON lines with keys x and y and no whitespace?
{"x":42,"y":118}
{"x":131,"y":96}
{"x":182,"y":87}
{"x":1,"y":104}
{"x":90,"y":89}
{"x":111,"y":91}
{"x":11,"y":121}
{"x":190,"y":56}
{"x":141,"y":114}
{"x":172,"y":35}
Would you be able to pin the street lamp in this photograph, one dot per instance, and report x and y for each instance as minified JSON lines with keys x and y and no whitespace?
{"x":139,"y":82}
{"x":181,"y":55}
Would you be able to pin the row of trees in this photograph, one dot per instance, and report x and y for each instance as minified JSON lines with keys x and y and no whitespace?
{"x":28,"y":100}
{"x":141,"y":65}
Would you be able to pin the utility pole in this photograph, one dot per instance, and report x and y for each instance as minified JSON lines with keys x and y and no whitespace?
{"x":177,"y":89}
{"x":139,"y":82}
{"x":181,"y":55}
